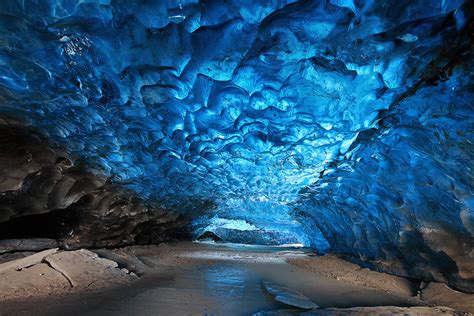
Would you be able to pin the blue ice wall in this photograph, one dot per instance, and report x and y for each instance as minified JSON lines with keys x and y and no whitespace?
{"x":270,"y":108}
{"x":404,"y":193}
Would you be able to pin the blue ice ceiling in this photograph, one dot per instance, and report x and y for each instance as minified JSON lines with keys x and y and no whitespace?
{"x":243,"y":102}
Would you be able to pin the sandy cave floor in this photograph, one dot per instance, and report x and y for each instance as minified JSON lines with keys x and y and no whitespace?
{"x":206,"y":279}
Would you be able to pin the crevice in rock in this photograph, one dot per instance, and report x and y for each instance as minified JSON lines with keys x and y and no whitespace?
{"x":54,"y":267}
{"x":11,"y":246}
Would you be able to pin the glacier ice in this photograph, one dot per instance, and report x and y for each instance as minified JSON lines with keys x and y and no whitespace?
{"x":343,"y":124}
{"x":256,"y":222}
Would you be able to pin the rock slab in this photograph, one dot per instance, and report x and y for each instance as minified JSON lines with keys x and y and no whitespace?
{"x":54,"y":273}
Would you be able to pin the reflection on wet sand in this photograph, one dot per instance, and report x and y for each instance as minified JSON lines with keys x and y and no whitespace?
{"x":196,"y":279}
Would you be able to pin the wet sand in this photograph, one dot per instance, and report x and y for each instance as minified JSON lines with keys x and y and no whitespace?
{"x":200,"y":279}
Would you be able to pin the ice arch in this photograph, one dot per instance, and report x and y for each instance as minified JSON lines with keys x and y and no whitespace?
{"x":340,"y":122}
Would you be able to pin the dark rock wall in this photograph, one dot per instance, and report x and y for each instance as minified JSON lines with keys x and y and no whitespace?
{"x":44,"y":194}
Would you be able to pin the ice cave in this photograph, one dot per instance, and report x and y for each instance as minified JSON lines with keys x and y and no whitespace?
{"x":232,"y":143}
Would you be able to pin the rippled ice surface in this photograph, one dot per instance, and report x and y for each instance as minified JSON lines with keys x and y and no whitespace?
{"x":247,"y":103}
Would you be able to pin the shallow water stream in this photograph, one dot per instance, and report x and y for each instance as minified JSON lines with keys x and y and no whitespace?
{"x":216,"y":281}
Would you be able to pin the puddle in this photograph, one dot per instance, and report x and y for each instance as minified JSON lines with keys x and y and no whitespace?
{"x":209,"y":286}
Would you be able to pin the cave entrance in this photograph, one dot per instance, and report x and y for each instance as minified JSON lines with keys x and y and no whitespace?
{"x":255,"y":221}
{"x":53,"y":225}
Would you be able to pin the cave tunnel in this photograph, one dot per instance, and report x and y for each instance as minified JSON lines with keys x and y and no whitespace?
{"x":335,"y":129}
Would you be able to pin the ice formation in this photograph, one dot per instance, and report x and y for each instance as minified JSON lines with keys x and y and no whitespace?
{"x":343,"y":123}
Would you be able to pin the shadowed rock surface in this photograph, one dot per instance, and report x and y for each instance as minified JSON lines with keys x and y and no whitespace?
{"x":44,"y":195}
{"x":31,"y":244}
